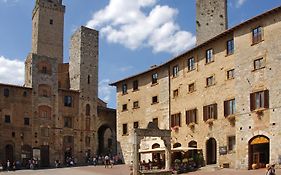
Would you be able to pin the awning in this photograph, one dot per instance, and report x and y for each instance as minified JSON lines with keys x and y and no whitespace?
{"x":155,"y":150}
{"x":183,"y":149}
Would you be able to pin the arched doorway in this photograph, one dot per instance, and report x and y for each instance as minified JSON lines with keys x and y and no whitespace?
{"x":106,"y":140}
{"x":9,"y":152}
{"x":211,"y":151}
{"x":177,"y":155}
{"x":44,"y":156}
{"x":26,"y":154}
{"x":156,"y":156}
{"x":259,"y":151}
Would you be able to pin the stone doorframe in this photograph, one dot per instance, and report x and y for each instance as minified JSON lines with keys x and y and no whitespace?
{"x":151,"y":131}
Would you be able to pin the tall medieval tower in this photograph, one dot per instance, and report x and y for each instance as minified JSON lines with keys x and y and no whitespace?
{"x":48,"y":28}
{"x":83,"y":75}
{"x":211,"y":19}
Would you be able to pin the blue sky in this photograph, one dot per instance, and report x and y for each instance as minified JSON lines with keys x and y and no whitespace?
{"x":134,"y":34}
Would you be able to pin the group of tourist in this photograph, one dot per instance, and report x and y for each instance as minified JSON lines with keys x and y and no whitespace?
{"x":16,"y":165}
{"x":105,"y":160}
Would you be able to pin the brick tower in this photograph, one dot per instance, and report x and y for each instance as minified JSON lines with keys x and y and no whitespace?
{"x":211,"y":19}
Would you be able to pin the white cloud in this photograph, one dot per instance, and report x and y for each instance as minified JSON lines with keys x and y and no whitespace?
{"x":125,"y":68}
{"x":240,"y":3}
{"x":105,"y":90}
{"x":127,"y":23}
{"x":9,"y":1}
{"x":11,"y":71}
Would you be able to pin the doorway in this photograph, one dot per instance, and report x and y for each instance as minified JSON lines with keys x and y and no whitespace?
{"x":258,"y":151}
{"x":211,"y":151}
{"x":9,"y":153}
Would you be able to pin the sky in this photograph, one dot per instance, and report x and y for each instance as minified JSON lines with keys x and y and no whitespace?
{"x":134,"y":34}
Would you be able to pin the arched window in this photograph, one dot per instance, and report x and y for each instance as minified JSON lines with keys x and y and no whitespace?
{"x":45,"y":112}
{"x":88,"y":110}
{"x":44,"y":67}
{"x":44,"y":90}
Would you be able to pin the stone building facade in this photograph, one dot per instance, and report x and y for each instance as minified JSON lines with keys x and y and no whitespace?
{"x":223,"y":97}
{"x":57,"y":113}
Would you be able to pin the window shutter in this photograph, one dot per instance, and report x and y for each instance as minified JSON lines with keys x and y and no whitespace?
{"x":195,"y":119}
{"x":172,"y":121}
{"x":179,"y":119}
{"x":225,"y":107}
{"x":187,"y":117}
{"x":252,"y":101}
{"x":205,"y":113}
{"x":215,"y":111}
{"x":266,"y":99}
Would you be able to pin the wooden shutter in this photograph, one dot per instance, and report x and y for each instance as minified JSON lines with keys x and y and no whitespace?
{"x":215,"y":111}
{"x":187,"y":116}
{"x":266,"y":99}
{"x":252,"y":102}
{"x":226,"y":108}
{"x":172,"y":121}
{"x":195,"y":119}
{"x":179,"y":119}
{"x":205,"y":118}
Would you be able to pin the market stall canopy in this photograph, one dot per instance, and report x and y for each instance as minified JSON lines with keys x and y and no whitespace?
{"x":183,"y":149}
{"x":155,"y":150}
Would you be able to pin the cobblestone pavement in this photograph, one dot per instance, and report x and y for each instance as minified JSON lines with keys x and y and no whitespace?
{"x":124,"y":170}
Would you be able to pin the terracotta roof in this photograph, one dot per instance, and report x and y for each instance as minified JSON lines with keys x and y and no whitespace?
{"x":203,"y":44}
{"x":16,"y":86}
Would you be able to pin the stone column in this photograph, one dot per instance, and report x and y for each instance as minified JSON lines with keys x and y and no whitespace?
{"x":167,"y":142}
{"x":136,"y":147}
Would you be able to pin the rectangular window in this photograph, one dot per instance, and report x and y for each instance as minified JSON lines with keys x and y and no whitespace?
{"x":6,"y":92}
{"x":125,"y":129}
{"x":176,"y":120}
{"x":191,"y":87}
{"x":210,"y":81}
{"x":155,"y":121}
{"x":230,"y":74}
{"x":175,"y":71}
{"x":68,"y":101}
{"x":135,"y":85}
{"x":26,"y":121}
{"x":209,"y":56}
{"x":230,"y":47}
{"x":67,"y":122}
{"x":191,"y":116}
{"x":154,"y":78}
{"x":88,"y":124}
{"x":229,"y":107}
{"x":51,"y":21}
{"x":259,"y":100}
{"x":210,"y":112}
{"x":7,"y":119}
{"x":88,"y":141}
{"x":257,"y":35}
{"x":124,"y":89}
{"x":190,"y":64}
{"x":136,"y":104}
{"x":154,"y":99}
{"x":231,"y":143}
{"x":124,"y":107}
{"x":175,"y":93}
{"x":259,"y":63}
{"x":136,"y":124}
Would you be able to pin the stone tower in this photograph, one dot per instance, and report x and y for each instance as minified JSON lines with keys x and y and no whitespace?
{"x":48,"y":28}
{"x":211,"y":19}
{"x":83,"y":74}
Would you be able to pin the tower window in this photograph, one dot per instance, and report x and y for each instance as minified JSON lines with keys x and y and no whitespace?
{"x":51,"y":21}
{"x":6,"y":92}
{"x":68,"y":101}
{"x":89,"y":79}
{"x":7,"y":119}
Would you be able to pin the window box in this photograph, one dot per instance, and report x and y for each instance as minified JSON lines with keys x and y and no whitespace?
{"x":231,"y":117}
{"x":210,"y":121}
{"x":191,"y":125}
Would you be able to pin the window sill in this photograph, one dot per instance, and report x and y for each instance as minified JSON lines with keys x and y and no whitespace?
{"x":191,"y":70}
{"x":125,"y":134}
{"x":124,"y":110}
{"x":125,"y":93}
{"x":207,"y":86}
{"x":136,"y":107}
{"x":154,"y":103}
{"x":255,"y":43}
{"x":136,"y":90}
{"x":231,"y":78}
{"x":190,"y":92}
{"x":154,"y":84}
{"x":175,"y":77}
{"x":229,"y":54}
{"x":209,"y":62}
{"x":258,"y":69}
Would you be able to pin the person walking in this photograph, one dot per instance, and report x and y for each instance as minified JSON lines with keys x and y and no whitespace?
{"x":270,"y":170}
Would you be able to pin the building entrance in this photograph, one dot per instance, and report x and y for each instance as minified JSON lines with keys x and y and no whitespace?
{"x":9,"y":153}
{"x":211,"y":151}
{"x":258,"y":152}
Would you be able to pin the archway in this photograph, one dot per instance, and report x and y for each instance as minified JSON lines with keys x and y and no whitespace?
{"x":26,"y":154}
{"x":9,"y":152}
{"x":106,"y":140}
{"x":211,"y":151}
{"x":68,"y":146}
{"x":177,"y":155}
{"x":259,"y":151}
